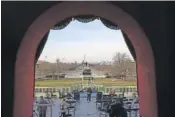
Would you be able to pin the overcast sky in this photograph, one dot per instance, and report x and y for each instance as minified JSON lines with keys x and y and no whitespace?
{"x":92,"y":39}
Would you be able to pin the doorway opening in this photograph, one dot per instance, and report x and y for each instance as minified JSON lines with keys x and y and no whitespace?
{"x":89,"y":53}
{"x":27,"y":50}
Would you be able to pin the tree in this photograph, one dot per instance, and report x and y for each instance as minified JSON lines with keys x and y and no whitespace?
{"x":120,"y":65}
{"x":58,"y":67}
{"x":53,"y":70}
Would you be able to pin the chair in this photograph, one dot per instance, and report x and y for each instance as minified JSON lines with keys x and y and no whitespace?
{"x":35,"y":114}
{"x":71,"y":108}
{"x":103,"y":112}
{"x":99,"y":96}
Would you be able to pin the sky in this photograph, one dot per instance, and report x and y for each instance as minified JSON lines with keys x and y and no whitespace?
{"x":93,"y":39}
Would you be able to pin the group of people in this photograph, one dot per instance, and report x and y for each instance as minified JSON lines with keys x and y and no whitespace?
{"x":63,"y":104}
{"x":42,"y":110}
{"x":115,"y":105}
{"x":115,"y":110}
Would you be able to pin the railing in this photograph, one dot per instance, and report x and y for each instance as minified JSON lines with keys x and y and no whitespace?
{"x":42,"y":110}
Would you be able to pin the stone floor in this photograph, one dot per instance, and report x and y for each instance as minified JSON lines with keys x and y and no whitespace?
{"x":87,"y":109}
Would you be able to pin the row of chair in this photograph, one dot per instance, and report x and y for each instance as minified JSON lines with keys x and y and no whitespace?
{"x":70,"y":101}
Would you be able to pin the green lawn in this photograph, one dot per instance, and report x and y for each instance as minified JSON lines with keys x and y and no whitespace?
{"x":71,"y":81}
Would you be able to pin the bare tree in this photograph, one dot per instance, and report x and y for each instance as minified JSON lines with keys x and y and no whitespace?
{"x":45,"y":68}
{"x":57,"y":66}
{"x":120,"y":65}
{"x":53,"y":70}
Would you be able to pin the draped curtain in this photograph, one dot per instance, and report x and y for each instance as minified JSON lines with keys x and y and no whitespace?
{"x":133,"y":53}
{"x":85,"y":19}
{"x":62,"y":24}
{"x":39,"y":51}
{"x":41,"y":46}
{"x":129,"y":45}
{"x":109,"y":24}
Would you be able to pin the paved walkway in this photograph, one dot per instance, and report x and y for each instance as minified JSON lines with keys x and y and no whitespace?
{"x":86,"y":109}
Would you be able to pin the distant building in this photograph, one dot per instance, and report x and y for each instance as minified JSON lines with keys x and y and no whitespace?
{"x":46,"y":70}
{"x":76,"y":72}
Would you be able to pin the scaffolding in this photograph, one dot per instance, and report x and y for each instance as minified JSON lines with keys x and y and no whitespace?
{"x":87,"y":77}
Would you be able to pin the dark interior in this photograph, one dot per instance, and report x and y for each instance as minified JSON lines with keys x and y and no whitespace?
{"x":156,"y":18}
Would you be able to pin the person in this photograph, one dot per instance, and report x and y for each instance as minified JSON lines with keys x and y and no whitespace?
{"x":42,"y":109}
{"x":112,"y":92}
{"x":89,"y":92}
{"x":75,"y":95}
{"x":99,"y":96}
{"x":63,"y":108}
{"x":69,"y":95}
{"x":117,"y":110}
{"x":49,"y":99}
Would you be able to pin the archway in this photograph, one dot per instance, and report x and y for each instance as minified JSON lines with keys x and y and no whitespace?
{"x":24,"y":69}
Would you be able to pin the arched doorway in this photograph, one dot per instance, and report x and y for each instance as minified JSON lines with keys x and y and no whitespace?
{"x":24,"y":71}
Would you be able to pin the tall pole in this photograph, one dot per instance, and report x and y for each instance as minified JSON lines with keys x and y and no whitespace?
{"x":43,"y":74}
{"x":82,"y":79}
{"x":84,"y":57}
{"x":84,"y":63}
{"x":57,"y":66}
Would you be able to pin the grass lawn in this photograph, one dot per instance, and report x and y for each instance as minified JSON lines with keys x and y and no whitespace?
{"x":71,"y":81}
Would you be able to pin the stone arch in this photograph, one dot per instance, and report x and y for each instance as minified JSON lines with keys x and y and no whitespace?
{"x":24,"y":68}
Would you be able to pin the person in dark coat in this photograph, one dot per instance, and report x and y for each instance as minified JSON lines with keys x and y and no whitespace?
{"x":89,"y":92}
{"x":117,"y":110}
{"x":42,"y":109}
{"x":63,"y":108}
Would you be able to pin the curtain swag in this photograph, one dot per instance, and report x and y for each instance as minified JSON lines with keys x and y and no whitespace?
{"x":62,"y":24}
{"x":85,"y":19}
